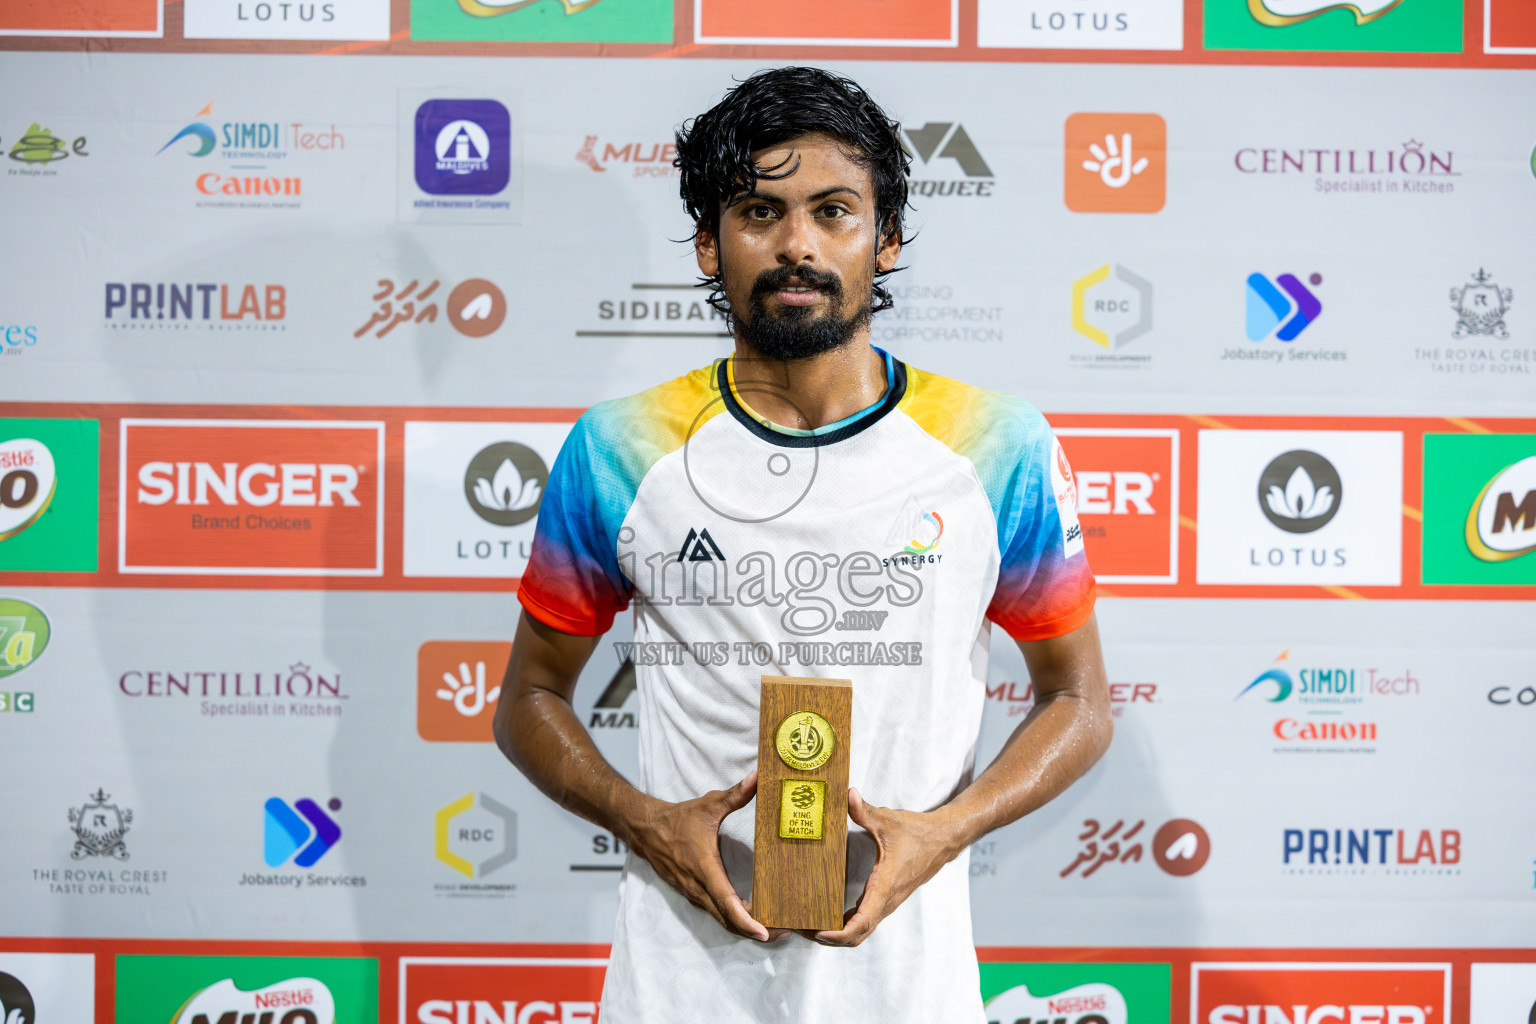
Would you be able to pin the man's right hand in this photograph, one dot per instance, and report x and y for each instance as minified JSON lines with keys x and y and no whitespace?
{"x":682,"y":843}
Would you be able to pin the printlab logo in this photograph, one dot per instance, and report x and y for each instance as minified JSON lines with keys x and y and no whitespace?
{"x":1180,"y":846}
{"x":301,"y":831}
{"x":1268,"y":307}
{"x":38,"y":149}
{"x":948,"y":141}
{"x":100,"y":828}
{"x":463,"y":147}
{"x":1116,"y":163}
{"x":1300,"y":491}
{"x":16,"y":1003}
{"x":457,"y":686}
{"x":504,"y":483}
{"x":28,"y":480}
{"x":646,"y":160}
{"x":143,"y":306}
{"x":1481,"y":306}
{"x":476,"y":307}
{"x":1398,"y":851}
{"x":475,"y":836}
{"x":1111,"y":306}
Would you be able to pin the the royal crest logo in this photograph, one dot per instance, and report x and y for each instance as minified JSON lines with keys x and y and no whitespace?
{"x":99,"y":828}
{"x":1480,"y":307}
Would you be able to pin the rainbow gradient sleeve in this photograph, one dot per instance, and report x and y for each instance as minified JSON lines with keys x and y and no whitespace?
{"x":1044,"y":586}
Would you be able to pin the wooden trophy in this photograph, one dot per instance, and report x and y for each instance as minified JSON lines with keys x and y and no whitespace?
{"x":800,"y":857}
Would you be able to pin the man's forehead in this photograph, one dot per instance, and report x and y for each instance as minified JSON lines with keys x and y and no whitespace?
{"x":813,"y":161}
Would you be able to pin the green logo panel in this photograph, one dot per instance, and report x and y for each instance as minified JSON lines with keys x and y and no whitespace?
{"x":1464,"y":474}
{"x":1112,"y":993}
{"x":178,"y":989}
{"x":51,"y":517}
{"x":544,"y":21}
{"x":1408,"y":26}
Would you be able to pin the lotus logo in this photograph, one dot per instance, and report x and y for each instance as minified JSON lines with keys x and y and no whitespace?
{"x":505,"y":482}
{"x":1502,"y":522}
{"x":1300,"y":491}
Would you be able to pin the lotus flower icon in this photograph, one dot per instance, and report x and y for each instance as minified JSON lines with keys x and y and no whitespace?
{"x":504,"y":483}
{"x":1301,"y":499}
{"x":1300,"y":491}
{"x":507,"y":491}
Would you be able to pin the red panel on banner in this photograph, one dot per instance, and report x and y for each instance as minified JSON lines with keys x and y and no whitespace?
{"x":826,"y":19}
{"x":1375,"y":992}
{"x":79,"y":17}
{"x":451,"y":990}
{"x":1127,"y":501}
{"x":1512,"y":23}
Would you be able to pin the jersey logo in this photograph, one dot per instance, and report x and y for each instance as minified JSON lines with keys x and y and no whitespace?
{"x":694,"y":550}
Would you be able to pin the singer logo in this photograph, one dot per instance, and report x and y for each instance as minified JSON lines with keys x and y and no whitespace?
{"x":457,"y":685}
{"x":251,"y":498}
{"x":455,"y":990}
{"x":1127,"y":501}
{"x":1320,"y":993}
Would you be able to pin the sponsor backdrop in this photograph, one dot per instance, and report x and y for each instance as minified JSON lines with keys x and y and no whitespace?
{"x":300,"y":300}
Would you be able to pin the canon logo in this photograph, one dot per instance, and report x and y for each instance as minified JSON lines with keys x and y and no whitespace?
{"x":481,"y":1011}
{"x":1326,"y":1014}
{"x":258,"y":483}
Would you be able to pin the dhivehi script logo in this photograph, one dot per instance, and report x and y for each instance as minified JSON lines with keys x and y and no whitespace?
{"x":504,"y":483}
{"x":1502,"y":522}
{"x":295,"y":1001}
{"x":1279,"y":13}
{"x":1300,"y":491}
{"x":27,"y":482}
{"x":1094,"y":1003}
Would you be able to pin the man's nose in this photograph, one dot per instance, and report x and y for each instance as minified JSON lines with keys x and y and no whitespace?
{"x":797,"y":241}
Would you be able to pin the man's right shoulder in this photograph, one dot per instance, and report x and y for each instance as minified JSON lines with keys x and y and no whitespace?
{"x":643,"y":427}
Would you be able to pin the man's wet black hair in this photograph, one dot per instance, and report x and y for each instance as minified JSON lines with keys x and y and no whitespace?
{"x":714,"y":150}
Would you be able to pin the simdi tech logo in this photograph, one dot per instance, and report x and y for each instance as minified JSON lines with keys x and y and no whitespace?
{"x":242,"y":147}
{"x":1394,"y":26}
{"x":268,"y":990}
{"x":457,"y":685}
{"x":1479,"y":509}
{"x":455,"y":990}
{"x":1076,"y":993}
{"x":1323,"y":993}
{"x":48,"y":494}
{"x":1116,"y":163}
{"x":251,"y":497}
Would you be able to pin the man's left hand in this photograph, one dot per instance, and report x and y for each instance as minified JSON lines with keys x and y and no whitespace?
{"x":912,"y":847}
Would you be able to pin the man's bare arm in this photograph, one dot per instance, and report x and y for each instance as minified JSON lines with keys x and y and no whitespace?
{"x":1066,"y":732}
{"x":539,"y":732}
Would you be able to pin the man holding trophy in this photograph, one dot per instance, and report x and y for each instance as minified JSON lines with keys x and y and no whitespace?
{"x":816,"y":539}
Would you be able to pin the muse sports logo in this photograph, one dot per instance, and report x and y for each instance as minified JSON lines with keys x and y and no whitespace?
{"x":463,"y":147}
{"x":1279,"y":13}
{"x":28,"y":480}
{"x":504,"y":483}
{"x":303,"y":829}
{"x":1269,"y":308}
{"x":1501,"y":523}
{"x":293,"y":1001}
{"x":931,"y":531}
{"x":1300,"y":491}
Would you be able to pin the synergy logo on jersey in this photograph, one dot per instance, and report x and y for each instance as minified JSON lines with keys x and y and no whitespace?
{"x":1116,"y":163}
{"x":475,"y":835}
{"x":458,"y":990}
{"x":1127,"y":501}
{"x":457,"y":685}
{"x":1479,"y":508}
{"x":1268,"y":307}
{"x":301,"y":831}
{"x":1075,"y":993}
{"x":251,"y":497}
{"x":293,"y":1001}
{"x":463,"y":147}
{"x":1322,"y":993}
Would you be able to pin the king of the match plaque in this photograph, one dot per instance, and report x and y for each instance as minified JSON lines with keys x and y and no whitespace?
{"x":800,"y":855}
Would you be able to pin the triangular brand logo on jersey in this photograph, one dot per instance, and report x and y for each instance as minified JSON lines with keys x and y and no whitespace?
{"x":699,"y":547}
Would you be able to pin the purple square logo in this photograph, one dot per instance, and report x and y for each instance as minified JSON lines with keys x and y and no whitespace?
{"x":463,"y":147}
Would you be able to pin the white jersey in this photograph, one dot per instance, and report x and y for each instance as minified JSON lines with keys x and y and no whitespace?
{"x":879,"y":550}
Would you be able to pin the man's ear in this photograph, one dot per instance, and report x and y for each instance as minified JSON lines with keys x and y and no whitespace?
{"x":890,"y":248}
{"x":706,"y":250}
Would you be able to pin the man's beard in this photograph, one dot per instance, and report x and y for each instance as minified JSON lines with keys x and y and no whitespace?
{"x":798,"y":332}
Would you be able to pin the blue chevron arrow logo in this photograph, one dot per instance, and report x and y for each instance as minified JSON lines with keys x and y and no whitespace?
{"x":303,"y":831}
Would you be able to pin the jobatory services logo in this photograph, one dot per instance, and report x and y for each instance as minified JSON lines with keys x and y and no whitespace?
{"x":1291,"y":522}
{"x":37,"y":988}
{"x":1503,"y":992}
{"x":1075,"y":993}
{"x":441,"y":990}
{"x":949,"y":164}
{"x":1116,"y":163}
{"x":475,"y":307}
{"x":37,"y":152}
{"x":185,"y":305}
{"x":300,"y":691}
{"x":1111,"y":307}
{"x":287,"y":19}
{"x":1331,"y":25}
{"x":1127,"y":501}
{"x":1281,"y":312}
{"x":251,"y":497}
{"x":301,"y":832}
{"x":1479,"y":509}
{"x":1050,"y":24}
{"x":457,"y":685}
{"x":472,"y":495}
{"x":261,"y":990}
{"x":463,"y":147}
{"x":475,"y":836}
{"x":1387,"y":993}
{"x":639,"y":159}
{"x":1180,"y":847}
{"x":48,"y":494}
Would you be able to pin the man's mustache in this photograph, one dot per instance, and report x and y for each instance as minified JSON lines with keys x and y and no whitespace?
{"x":770,"y":281}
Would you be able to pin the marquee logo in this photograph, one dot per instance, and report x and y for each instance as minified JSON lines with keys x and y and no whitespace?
{"x":1323,"y":993}
{"x":463,"y":147}
{"x":251,"y":497}
{"x":1116,"y":163}
{"x":453,"y":990}
{"x":1127,"y":501}
{"x":1269,"y":308}
{"x":475,"y":835}
{"x":301,"y":831}
{"x":457,"y":685}
{"x":947,"y":141}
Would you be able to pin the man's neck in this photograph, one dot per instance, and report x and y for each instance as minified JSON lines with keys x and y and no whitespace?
{"x":809,"y":393}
